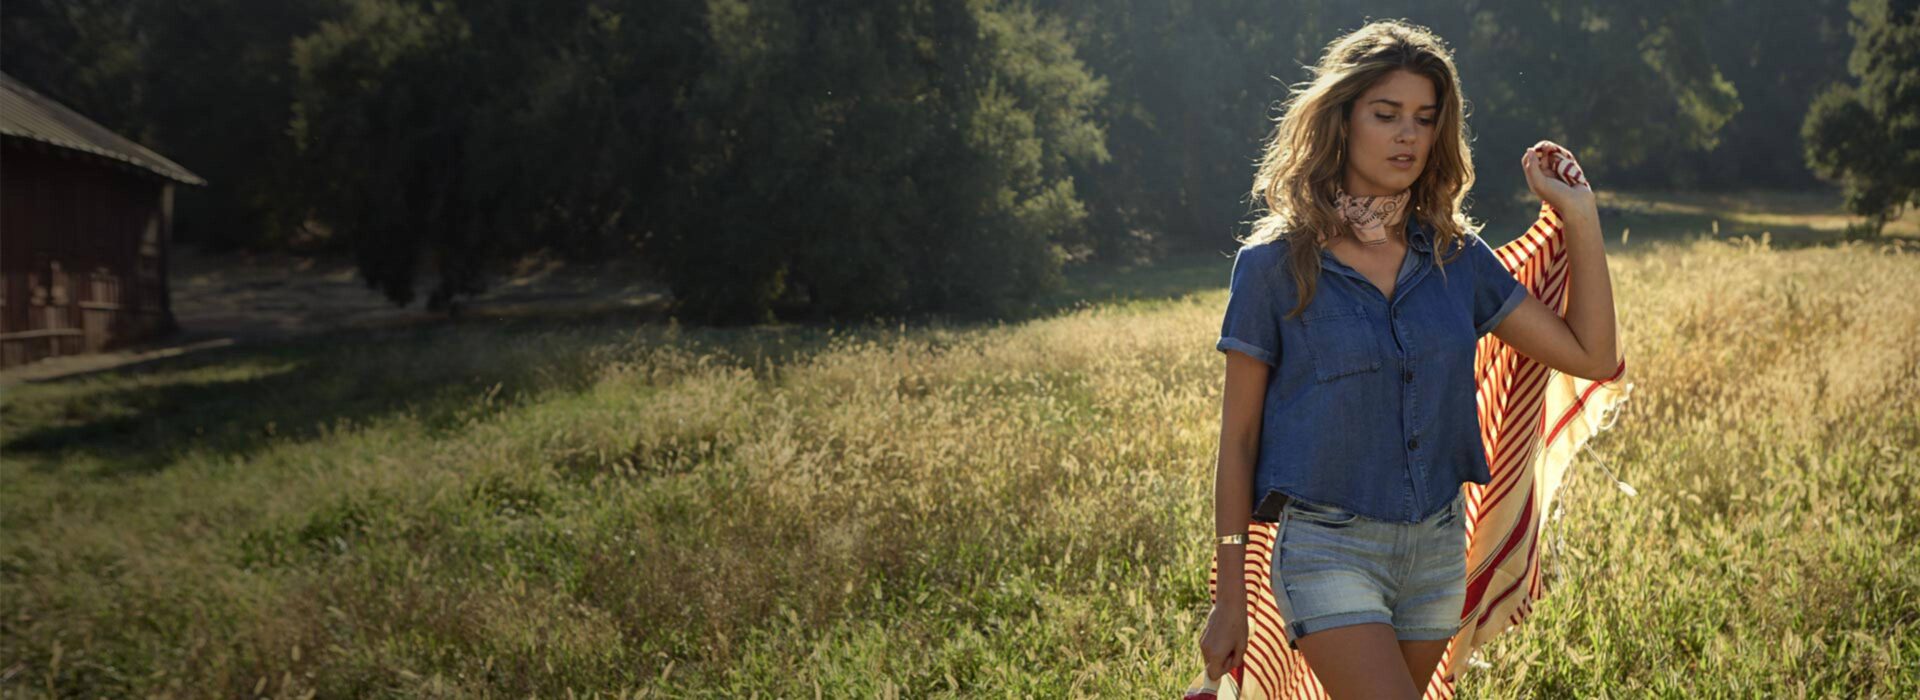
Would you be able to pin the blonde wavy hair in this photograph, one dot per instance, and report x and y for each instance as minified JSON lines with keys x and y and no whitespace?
{"x":1306,"y":154}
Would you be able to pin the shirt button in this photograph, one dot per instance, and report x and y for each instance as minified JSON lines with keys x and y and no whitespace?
{"x":1396,"y":312}
{"x":1413,"y":444}
{"x":1408,"y":376}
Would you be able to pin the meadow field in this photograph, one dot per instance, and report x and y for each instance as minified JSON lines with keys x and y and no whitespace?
{"x":598,"y":507}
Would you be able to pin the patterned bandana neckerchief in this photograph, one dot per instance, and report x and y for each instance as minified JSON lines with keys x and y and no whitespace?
{"x":1532,"y":421}
{"x":1368,"y":216}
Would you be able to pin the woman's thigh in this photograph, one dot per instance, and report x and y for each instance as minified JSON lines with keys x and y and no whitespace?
{"x":1359,"y":661}
{"x":1423,"y":658}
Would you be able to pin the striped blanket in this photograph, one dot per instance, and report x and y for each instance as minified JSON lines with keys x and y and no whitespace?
{"x":1532,"y":419}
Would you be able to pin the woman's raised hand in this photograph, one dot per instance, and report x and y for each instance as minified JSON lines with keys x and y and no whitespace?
{"x":1555,"y":177}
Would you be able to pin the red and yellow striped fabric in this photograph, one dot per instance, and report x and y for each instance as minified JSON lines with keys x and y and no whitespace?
{"x":1532,"y":419}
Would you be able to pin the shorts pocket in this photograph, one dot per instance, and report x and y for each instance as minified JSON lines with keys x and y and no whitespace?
{"x":1341,"y":341}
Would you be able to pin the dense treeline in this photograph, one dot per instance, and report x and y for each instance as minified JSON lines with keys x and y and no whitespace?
{"x":1866,"y":133}
{"x":846,"y":158}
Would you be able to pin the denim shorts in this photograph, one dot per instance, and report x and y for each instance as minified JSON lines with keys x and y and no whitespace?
{"x":1333,"y":568}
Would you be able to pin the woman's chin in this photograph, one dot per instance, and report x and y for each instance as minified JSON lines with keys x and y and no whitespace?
{"x":1395,"y":181}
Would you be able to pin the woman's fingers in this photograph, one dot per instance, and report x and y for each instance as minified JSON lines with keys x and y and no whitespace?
{"x":1218,"y":666}
{"x":1531,"y":165}
{"x":1559,"y":162}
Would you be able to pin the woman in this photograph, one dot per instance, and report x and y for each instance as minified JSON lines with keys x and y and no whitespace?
{"x":1349,"y":413}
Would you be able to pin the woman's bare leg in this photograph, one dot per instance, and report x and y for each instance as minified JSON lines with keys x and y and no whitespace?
{"x":1359,"y":661}
{"x":1422,"y":658}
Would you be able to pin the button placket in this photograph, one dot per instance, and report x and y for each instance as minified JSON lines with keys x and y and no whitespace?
{"x":1414,"y":464}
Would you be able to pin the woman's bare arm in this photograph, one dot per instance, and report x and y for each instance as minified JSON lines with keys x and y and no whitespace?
{"x":1585,"y":343}
{"x":1241,"y":405}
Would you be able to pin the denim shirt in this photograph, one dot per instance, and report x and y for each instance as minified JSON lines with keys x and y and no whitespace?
{"x":1370,"y":403}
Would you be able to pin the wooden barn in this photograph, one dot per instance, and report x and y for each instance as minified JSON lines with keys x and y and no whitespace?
{"x":85,"y":218}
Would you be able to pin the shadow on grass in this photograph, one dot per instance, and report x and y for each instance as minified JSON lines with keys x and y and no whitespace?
{"x":1179,"y":275}
{"x":234,"y":400}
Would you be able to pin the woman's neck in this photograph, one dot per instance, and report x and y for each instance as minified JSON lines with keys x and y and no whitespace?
{"x":1375,"y":217}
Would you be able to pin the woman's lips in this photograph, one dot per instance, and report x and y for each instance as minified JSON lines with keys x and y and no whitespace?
{"x":1403,"y":164}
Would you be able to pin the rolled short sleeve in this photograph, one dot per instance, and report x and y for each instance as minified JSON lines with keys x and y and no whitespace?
{"x":1251,"y":324}
{"x":1496,"y":292}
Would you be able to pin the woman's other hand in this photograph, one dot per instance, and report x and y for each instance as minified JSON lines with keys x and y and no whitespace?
{"x":1224,"y":643}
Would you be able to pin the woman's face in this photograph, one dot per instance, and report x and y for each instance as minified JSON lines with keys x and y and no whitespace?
{"x":1389,"y":133}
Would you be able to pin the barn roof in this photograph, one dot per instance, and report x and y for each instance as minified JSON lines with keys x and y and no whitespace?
{"x":30,"y":115}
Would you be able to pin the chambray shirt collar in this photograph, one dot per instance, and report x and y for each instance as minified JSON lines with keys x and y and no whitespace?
{"x":1419,"y":253}
{"x":1419,"y":237}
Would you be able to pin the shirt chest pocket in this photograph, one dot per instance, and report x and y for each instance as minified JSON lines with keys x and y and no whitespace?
{"x":1341,"y":341}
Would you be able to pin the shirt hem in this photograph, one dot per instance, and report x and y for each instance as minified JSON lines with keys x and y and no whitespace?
{"x":1342,"y":506}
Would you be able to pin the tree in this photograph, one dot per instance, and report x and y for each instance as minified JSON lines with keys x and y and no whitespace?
{"x":833,"y":158}
{"x":1777,"y":60}
{"x":1867,"y":135}
{"x":1191,"y":86}
{"x":1194,"y":84}
{"x":453,"y":137}
{"x":857,"y":159}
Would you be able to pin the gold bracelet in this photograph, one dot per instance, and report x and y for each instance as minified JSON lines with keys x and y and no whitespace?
{"x":1231,"y":539}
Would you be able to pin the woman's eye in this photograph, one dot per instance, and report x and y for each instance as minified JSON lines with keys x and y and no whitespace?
{"x":1385,"y":117}
{"x":1428,"y":121}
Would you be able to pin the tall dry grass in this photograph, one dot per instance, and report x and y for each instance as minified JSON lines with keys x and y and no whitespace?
{"x":1010,"y":510}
